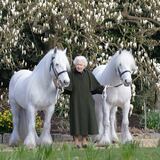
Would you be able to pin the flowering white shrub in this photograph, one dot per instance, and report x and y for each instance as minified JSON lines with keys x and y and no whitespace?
{"x":95,"y":29}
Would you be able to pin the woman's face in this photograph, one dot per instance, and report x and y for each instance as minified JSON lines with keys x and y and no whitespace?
{"x":80,"y":66}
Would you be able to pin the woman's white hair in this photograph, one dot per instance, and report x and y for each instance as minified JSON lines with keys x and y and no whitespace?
{"x":80,"y":59}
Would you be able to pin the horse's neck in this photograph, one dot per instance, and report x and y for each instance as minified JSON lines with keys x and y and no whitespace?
{"x":109,"y":75}
{"x":42,"y":72}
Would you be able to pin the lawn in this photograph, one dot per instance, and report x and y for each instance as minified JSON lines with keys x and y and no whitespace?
{"x":69,"y":152}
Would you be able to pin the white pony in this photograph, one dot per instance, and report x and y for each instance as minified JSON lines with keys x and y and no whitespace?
{"x":116,"y":74}
{"x":31,"y":91}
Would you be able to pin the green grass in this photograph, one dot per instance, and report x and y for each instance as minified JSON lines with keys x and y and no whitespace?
{"x":69,"y":152}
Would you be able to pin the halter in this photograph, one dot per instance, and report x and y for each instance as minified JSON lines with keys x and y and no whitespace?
{"x":104,"y":94}
{"x":120,"y":74}
{"x":56,"y":73}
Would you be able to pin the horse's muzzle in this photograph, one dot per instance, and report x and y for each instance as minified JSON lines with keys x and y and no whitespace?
{"x":66,"y":83}
{"x":127,"y":83}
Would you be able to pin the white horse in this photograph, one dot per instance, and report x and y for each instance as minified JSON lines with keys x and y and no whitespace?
{"x":31,"y":91}
{"x":116,"y":74}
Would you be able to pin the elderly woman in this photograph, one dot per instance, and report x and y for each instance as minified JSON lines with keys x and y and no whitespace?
{"x":82,"y":109}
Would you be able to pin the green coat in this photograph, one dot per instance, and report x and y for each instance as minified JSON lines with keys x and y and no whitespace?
{"x":82,"y":106}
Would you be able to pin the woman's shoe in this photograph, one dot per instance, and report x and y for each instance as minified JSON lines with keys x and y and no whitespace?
{"x":84,"y":145}
{"x":78,"y":146}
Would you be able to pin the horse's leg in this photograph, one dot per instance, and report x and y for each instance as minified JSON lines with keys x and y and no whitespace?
{"x":126,"y":135}
{"x":99,"y":116}
{"x":14,"y":139}
{"x":45,"y":137}
{"x":114,"y":136}
{"x":30,"y":140}
{"x":106,"y":139}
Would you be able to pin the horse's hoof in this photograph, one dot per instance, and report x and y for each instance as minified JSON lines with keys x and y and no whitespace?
{"x":100,"y":145}
{"x":97,"y":138}
{"x":105,"y":140}
{"x":31,"y":146}
{"x":13,"y":144}
{"x":103,"y":145}
{"x":45,"y":142}
{"x":115,"y":140}
{"x":127,"y":141}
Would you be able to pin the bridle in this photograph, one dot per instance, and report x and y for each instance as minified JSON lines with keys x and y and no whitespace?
{"x":120,"y":75}
{"x":57,"y":74}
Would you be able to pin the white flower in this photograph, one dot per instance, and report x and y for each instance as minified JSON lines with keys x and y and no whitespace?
{"x":145,"y":55}
{"x":66,"y":115}
{"x":32,"y":45}
{"x":75,"y":39}
{"x":103,"y":54}
{"x":69,"y":41}
{"x":145,"y":21}
{"x":142,"y":59}
{"x":85,"y":44}
{"x":1,"y":83}
{"x":2,"y":97}
{"x":45,"y":39}
{"x":121,"y":45}
{"x":106,"y":46}
{"x":90,"y":63}
{"x":66,"y":21}
{"x":134,"y":44}
{"x":100,"y":47}
{"x":104,"y":61}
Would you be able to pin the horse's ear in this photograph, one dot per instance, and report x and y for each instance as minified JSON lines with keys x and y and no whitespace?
{"x":120,"y":51}
{"x":130,"y":50}
{"x":55,"y":50}
{"x":65,"y":50}
{"x":135,"y":70}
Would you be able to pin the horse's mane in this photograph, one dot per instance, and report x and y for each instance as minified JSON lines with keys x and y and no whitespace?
{"x":62,"y":57}
{"x":59,"y":55}
{"x":120,"y":57}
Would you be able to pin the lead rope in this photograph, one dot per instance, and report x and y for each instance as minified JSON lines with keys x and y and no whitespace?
{"x":58,"y":88}
{"x":59,"y":91}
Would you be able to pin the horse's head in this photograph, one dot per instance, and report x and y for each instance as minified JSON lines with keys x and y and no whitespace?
{"x":125,"y":66}
{"x":59,"y":67}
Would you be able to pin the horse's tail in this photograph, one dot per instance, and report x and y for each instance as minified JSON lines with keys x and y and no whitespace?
{"x":23,"y":121}
{"x":21,"y":113}
{"x":11,"y":87}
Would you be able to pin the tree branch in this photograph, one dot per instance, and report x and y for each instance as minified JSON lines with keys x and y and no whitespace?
{"x":135,"y":18}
